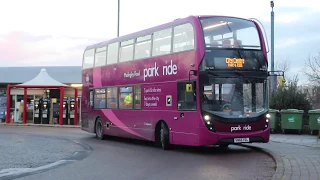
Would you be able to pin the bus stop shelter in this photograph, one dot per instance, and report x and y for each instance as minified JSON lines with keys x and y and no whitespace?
{"x":42,"y":81}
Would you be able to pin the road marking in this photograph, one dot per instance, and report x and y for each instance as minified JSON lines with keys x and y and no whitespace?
{"x":21,"y":171}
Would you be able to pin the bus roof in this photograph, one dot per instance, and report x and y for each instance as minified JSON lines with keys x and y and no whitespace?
{"x":153,"y":29}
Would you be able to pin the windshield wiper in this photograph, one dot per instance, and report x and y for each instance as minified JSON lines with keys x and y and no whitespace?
{"x":212,"y":73}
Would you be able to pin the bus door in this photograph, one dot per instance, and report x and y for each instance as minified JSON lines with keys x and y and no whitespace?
{"x":187,"y":106}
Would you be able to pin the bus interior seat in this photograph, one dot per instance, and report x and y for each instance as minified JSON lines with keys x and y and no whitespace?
{"x":138,"y":106}
{"x":214,"y":43}
{"x":113,"y":105}
{"x":112,"y":102}
{"x":237,"y":43}
{"x":226,"y":43}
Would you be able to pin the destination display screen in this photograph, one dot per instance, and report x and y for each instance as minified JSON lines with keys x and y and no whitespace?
{"x":234,"y":60}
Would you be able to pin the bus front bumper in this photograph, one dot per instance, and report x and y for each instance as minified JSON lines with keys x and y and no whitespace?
{"x":207,"y":137}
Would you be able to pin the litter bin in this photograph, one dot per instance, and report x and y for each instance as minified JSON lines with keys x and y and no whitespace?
{"x":273,"y":120}
{"x":291,"y":119}
{"x":313,"y":123}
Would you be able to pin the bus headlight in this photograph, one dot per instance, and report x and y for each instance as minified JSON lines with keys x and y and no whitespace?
{"x":207,"y":117}
{"x":267,"y":121}
{"x":207,"y":120}
{"x":268,"y":116}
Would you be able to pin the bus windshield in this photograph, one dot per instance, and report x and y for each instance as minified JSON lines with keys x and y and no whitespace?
{"x":225,"y":32}
{"x":234,"y":97}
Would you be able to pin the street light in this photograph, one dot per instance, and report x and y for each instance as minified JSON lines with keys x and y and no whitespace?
{"x":272,"y":46}
{"x":118,"y":18}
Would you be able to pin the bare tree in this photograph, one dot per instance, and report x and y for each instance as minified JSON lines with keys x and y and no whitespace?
{"x":312,"y":68}
{"x":283,"y":65}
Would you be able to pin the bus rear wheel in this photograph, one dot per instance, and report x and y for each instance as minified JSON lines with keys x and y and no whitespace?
{"x":99,"y":129}
{"x":164,"y":137}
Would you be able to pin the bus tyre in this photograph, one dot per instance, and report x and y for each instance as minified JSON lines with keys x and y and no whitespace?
{"x":99,"y":129}
{"x":164,"y":137}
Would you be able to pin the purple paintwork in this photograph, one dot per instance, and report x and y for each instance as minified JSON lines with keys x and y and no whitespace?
{"x":140,"y":124}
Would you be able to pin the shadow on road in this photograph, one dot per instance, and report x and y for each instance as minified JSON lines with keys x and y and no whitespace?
{"x":148,"y":145}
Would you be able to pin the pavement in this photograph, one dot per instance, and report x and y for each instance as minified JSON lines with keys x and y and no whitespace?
{"x":22,"y":150}
{"x":41,"y":125}
{"x":23,"y":154}
{"x":296,"y":156}
{"x":302,"y":140}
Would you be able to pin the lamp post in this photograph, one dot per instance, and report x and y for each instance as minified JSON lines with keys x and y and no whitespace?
{"x":272,"y":47}
{"x":118,"y":18}
{"x":318,"y":120}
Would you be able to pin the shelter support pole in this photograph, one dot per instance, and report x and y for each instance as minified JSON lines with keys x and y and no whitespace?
{"x":25,"y":99}
{"x":8,"y":104}
{"x":76,"y":106}
{"x":61,"y":106}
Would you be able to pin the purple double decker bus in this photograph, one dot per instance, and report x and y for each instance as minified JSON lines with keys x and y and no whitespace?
{"x":195,"y":81}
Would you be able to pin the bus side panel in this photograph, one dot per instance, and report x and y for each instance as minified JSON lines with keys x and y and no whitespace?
{"x":84,"y":121}
{"x":155,"y":108}
{"x":88,"y":121}
{"x":86,"y":111}
{"x":125,"y":123}
{"x":184,"y":130}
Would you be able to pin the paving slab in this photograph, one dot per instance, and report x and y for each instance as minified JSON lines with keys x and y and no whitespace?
{"x":297,"y":156}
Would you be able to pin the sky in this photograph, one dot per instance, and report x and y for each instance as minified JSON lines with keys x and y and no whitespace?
{"x":45,"y":33}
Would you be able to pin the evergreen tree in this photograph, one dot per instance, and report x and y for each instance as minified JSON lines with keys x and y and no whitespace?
{"x":290,"y":97}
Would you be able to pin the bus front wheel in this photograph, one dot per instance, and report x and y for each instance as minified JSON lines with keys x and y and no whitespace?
{"x":164,"y":137}
{"x":99,"y":129}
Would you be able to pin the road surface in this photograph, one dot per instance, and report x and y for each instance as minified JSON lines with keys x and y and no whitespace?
{"x":119,"y":159}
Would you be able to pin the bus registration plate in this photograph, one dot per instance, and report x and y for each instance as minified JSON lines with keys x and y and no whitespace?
{"x":240,"y":140}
